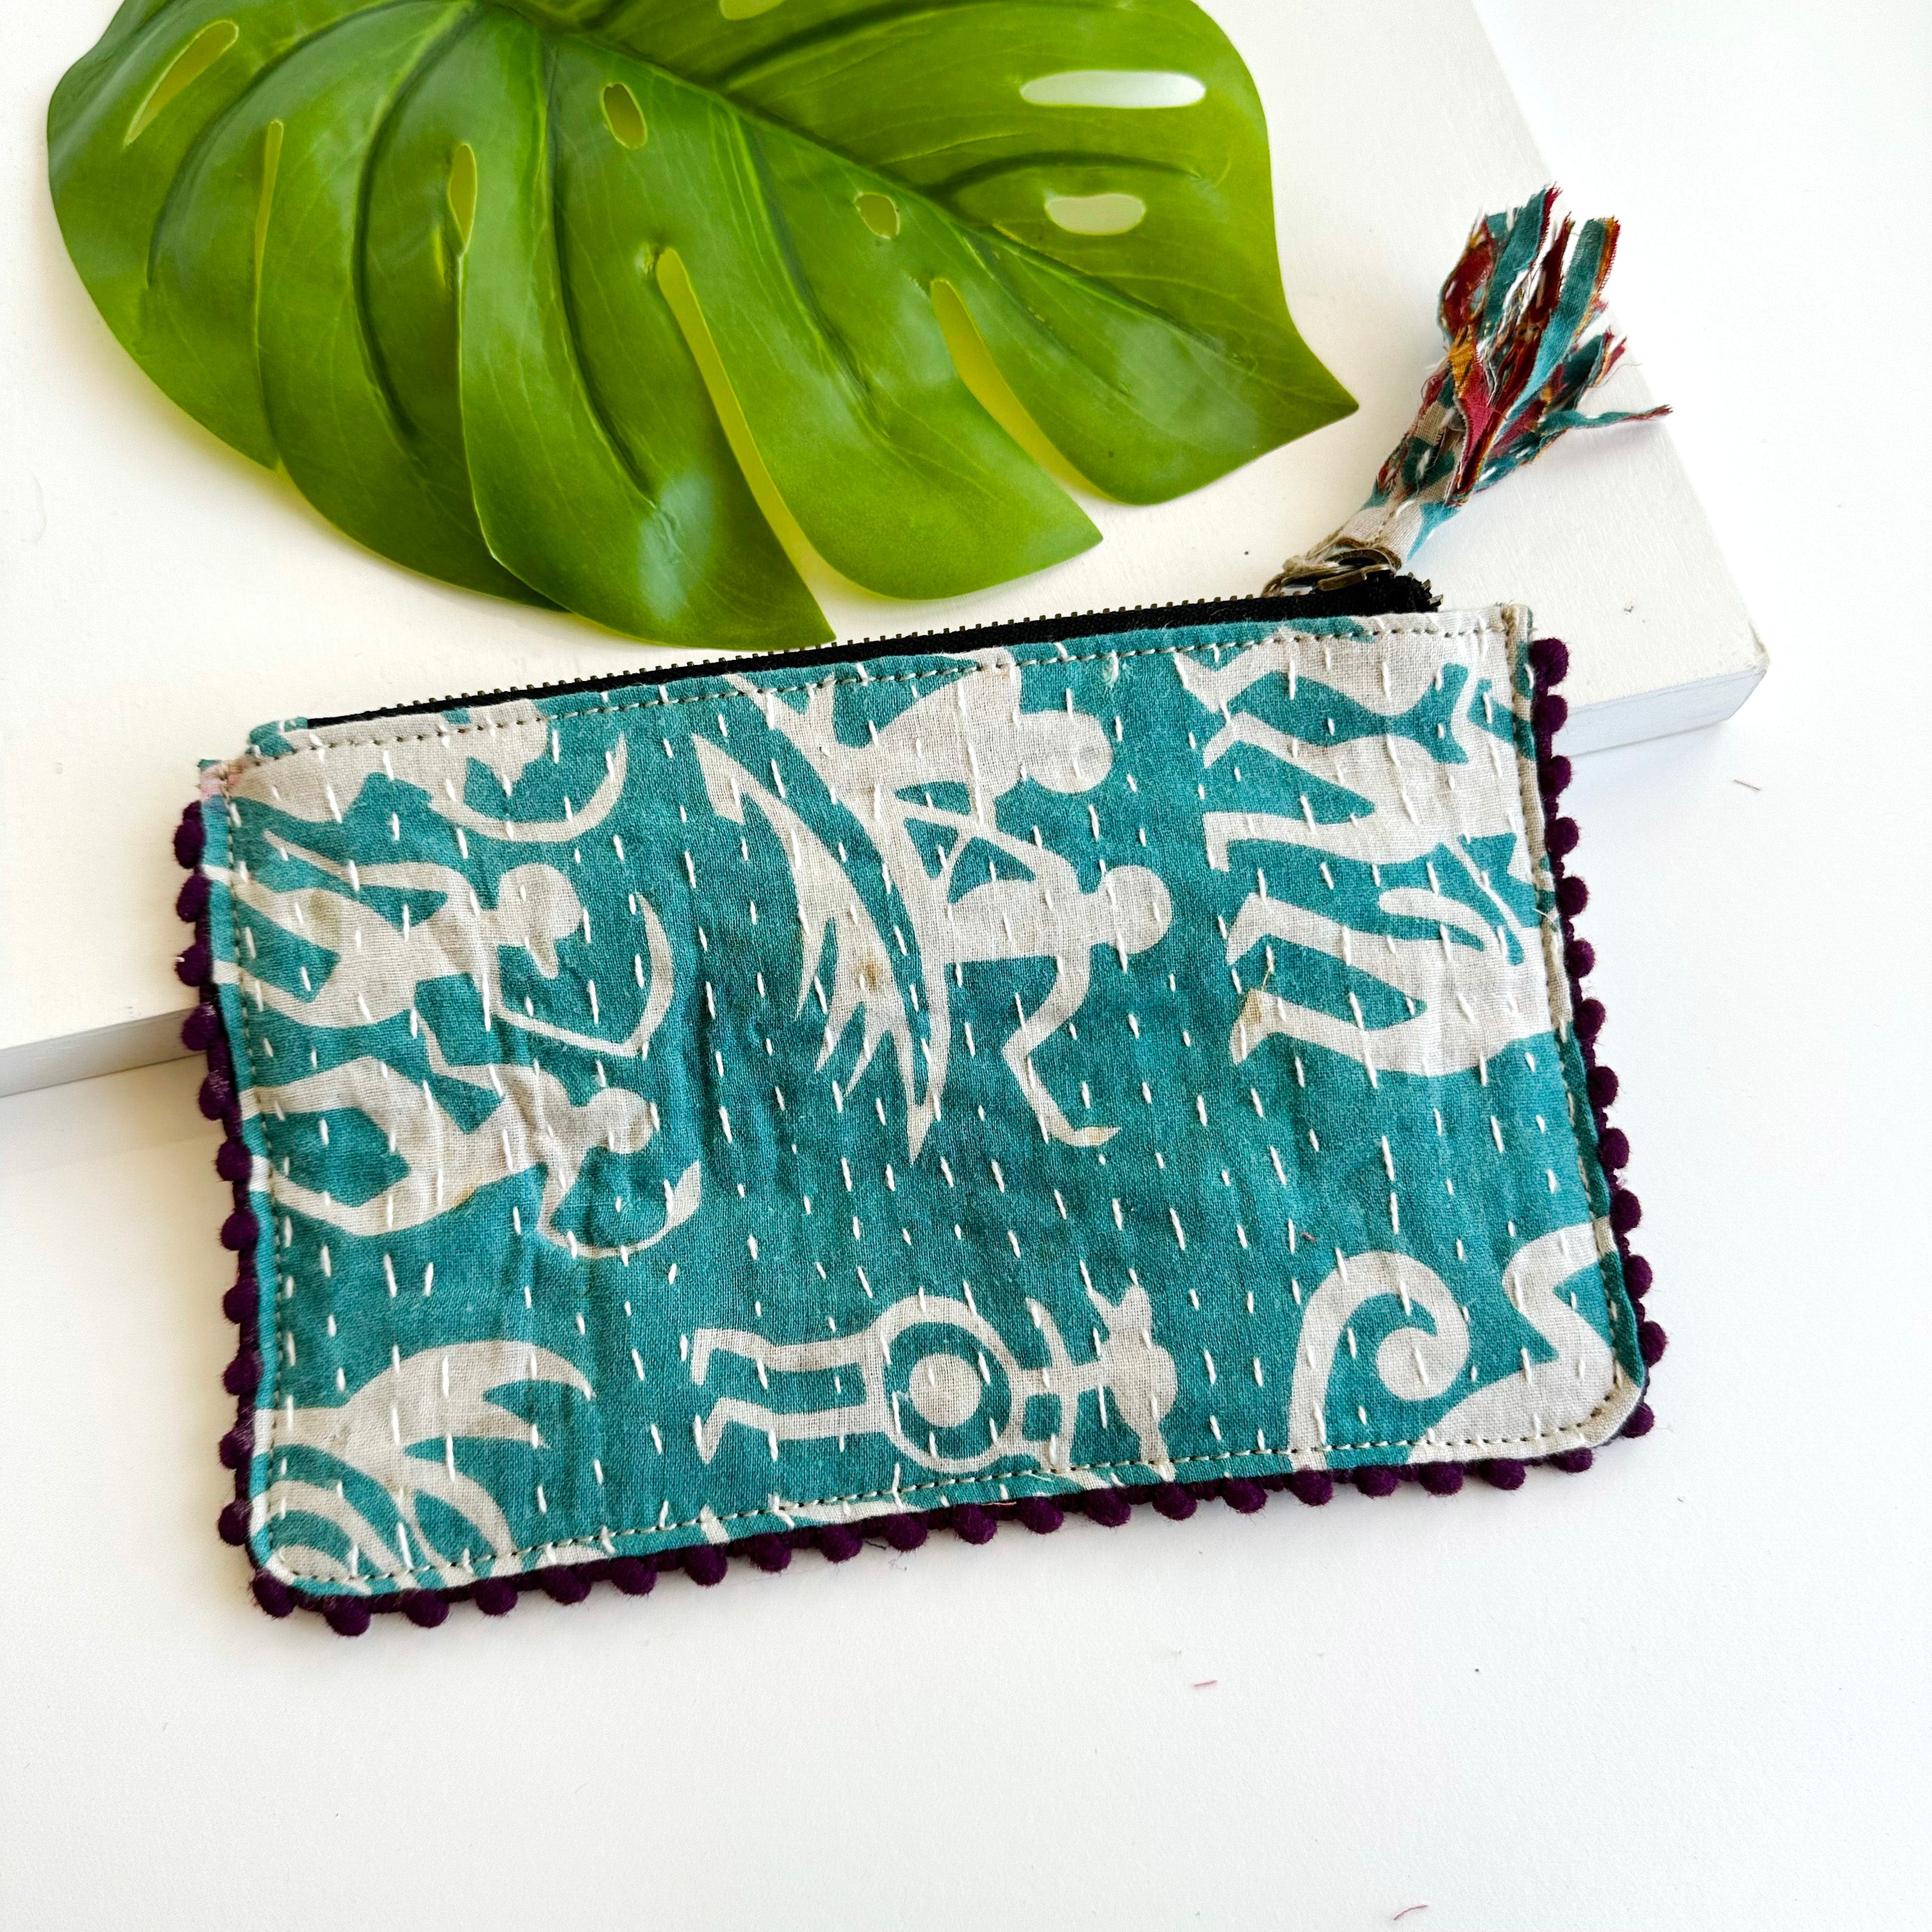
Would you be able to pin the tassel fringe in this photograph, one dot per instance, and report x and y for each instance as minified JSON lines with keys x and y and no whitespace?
{"x":1516,"y":314}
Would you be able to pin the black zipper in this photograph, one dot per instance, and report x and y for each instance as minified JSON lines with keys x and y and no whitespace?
{"x":1384,"y":594}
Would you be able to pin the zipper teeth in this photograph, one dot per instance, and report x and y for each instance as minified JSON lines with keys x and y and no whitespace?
{"x":1388,"y":594}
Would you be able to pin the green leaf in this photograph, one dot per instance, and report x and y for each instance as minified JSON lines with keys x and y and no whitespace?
{"x":571,"y":301}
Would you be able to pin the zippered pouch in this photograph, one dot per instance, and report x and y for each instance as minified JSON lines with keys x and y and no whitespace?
{"x":776,"y":1103}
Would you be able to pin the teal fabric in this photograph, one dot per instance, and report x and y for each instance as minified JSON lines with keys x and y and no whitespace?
{"x":785,"y":1095}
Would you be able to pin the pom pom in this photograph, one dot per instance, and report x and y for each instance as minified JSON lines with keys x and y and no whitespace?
{"x":201,"y":1029}
{"x":1174,"y":1502}
{"x":768,"y":1550}
{"x":239,"y":1304}
{"x":1549,"y":661}
{"x":1580,"y":957}
{"x":1548,"y":714}
{"x":1636,"y":1274}
{"x":1040,"y":1514}
{"x":1572,"y":896}
{"x":1553,"y":776}
{"x":190,"y":839}
{"x":1108,"y":1508}
{"x":425,"y":1608}
{"x":1502,"y":1472}
{"x":1613,"y":1148}
{"x":215,"y":1097}
{"x":1440,"y":1479}
{"x":236,"y":1447}
{"x":1238,"y":1492}
{"x":567,"y":1585}
{"x":637,"y":1576}
{"x":903,"y":1532}
{"x":1626,"y":1211}
{"x":705,"y":1564}
{"x":838,"y":1542}
{"x":191,"y":901}
{"x":1561,"y":836}
{"x":272,"y":1594}
{"x":1377,"y":1480}
{"x":231,"y":1525}
{"x":192,"y":966}
{"x":1640,"y":1421}
{"x":1651,"y":1342}
{"x":495,"y":1596}
{"x":1572,"y":1461}
{"x":972,"y":1524}
{"x":240,"y":1230}
{"x":1311,"y":1486}
{"x":243,"y":1376}
{"x":1602,"y":1084}
{"x":348,"y":1616}
{"x":1590,"y":1018}
{"x":233,"y":1162}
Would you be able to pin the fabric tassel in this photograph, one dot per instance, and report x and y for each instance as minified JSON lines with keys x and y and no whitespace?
{"x":1515,"y":313}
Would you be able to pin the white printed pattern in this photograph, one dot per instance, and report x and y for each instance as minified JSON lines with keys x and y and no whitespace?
{"x":439,"y":1397}
{"x":943,"y":1390}
{"x":970,"y":732}
{"x":378,"y":968}
{"x":1537,"y":1411}
{"x":1469,"y":998}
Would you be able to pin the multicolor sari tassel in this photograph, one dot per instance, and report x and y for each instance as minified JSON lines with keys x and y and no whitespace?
{"x":1516,"y":314}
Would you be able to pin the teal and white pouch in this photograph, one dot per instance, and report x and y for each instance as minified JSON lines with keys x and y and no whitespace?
{"x":784,"y":1101}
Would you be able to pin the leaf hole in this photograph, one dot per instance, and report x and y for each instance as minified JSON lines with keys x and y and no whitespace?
{"x":624,"y":117}
{"x":463,"y":191}
{"x":1113,"y":87}
{"x":881,"y":214}
{"x":1095,"y":214}
{"x":188,"y":67}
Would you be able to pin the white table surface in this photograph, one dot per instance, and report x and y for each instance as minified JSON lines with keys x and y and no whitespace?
{"x":1688,"y":1690}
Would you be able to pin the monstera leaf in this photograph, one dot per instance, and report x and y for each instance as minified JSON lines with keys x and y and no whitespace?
{"x":571,"y":300}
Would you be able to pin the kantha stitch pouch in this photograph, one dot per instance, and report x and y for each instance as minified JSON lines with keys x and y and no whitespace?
{"x":1131,"y":1057}
{"x":784,"y":1101}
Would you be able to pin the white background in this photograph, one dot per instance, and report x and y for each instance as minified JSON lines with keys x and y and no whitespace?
{"x":1688,"y":1690}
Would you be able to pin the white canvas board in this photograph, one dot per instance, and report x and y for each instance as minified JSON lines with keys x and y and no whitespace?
{"x":161,"y":594}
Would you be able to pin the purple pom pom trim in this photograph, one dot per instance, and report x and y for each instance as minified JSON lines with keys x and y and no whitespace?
{"x":773,"y":1551}
{"x":637,"y":1577}
{"x":566,"y":1585}
{"x":1040,"y":1514}
{"x":348,"y":1616}
{"x":903,"y":1532}
{"x":705,"y":1565}
{"x":770,"y":1552}
{"x":972,"y":1524}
